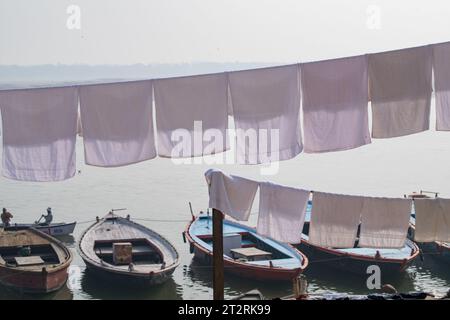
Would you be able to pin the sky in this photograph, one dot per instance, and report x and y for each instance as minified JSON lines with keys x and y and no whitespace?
{"x":187,"y":31}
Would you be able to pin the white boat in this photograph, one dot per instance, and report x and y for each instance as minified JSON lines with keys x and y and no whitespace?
{"x":53,"y":229}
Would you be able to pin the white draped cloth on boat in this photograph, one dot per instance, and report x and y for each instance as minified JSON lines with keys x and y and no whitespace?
{"x":281,"y":212}
{"x":230,"y":194}
{"x":39,"y":133}
{"x":384,"y":222}
{"x":400,"y":91}
{"x":117,"y":123}
{"x":334,"y":100}
{"x":179,"y":102}
{"x":266,"y":105}
{"x":335,"y":219}
{"x":432,"y":220}
{"x":441,"y":69}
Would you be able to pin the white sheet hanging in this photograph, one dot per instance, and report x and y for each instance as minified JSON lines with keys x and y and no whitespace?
{"x":281,"y":212}
{"x":335,"y":104}
{"x":117,"y":123}
{"x":400,"y":91}
{"x":441,"y":68}
{"x":432,"y":220}
{"x":334,"y":220}
{"x":230,"y":194}
{"x":384,"y":222}
{"x":266,"y":105}
{"x":39,"y":133}
{"x":182,"y":101}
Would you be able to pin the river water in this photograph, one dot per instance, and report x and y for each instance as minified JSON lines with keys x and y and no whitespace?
{"x":160,"y":190}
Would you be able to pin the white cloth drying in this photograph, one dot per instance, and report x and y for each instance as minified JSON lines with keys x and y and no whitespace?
{"x":182,"y":101}
{"x":117,"y":123}
{"x":334,"y":220}
{"x":39,"y":133}
{"x":400,"y":91}
{"x":335,"y":96}
{"x":432,"y":220}
{"x":265,"y":104}
{"x":281,"y":212}
{"x":230,"y":194}
{"x":384,"y":222}
{"x":441,"y":67}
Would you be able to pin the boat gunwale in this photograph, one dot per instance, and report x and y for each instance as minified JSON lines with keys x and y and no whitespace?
{"x":113,"y":269}
{"x":303,"y":266}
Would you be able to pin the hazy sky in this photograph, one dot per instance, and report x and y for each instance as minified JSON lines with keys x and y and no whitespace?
{"x":175,"y":31}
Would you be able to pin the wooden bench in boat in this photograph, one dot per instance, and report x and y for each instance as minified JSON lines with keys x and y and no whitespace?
{"x":136,"y":250}
{"x":251,"y":254}
{"x":28,"y":261}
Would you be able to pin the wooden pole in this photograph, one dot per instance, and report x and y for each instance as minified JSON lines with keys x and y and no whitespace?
{"x":218,"y":272}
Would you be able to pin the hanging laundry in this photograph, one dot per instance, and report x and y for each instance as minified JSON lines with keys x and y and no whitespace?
{"x":281,"y":212}
{"x":230,"y":194}
{"x":117,"y":123}
{"x":441,"y":68}
{"x":266,"y":105}
{"x":334,"y":94}
{"x":191,"y":115}
{"x":400,"y":91}
{"x":432,"y":220}
{"x":384,"y":222}
{"x":334,"y":220}
{"x":39,"y":133}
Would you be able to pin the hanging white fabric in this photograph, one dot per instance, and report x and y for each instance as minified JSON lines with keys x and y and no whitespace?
{"x":191,"y":115}
{"x":117,"y":123}
{"x":281,"y":212}
{"x":230,"y":194}
{"x":384,"y":222}
{"x":400,"y":91}
{"x":265,"y":104}
{"x":432,"y":220}
{"x":39,"y":133}
{"x":335,"y":96}
{"x":334,"y":220}
{"x":441,"y":70}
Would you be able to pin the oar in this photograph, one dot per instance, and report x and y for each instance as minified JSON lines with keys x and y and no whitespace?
{"x":192,"y":212}
{"x":37,"y":222}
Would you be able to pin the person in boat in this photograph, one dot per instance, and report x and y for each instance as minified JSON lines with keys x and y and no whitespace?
{"x":6,"y":217}
{"x":48,"y":218}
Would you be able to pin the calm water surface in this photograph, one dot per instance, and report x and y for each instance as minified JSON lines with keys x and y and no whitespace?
{"x":160,"y":189}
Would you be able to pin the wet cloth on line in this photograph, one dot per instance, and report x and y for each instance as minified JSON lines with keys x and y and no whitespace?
{"x":191,"y":115}
{"x":335,"y":104}
{"x":265,"y":104}
{"x":282,"y":212}
{"x":432,"y":220}
{"x":441,"y":70}
{"x":230,"y":194}
{"x":334,"y":220}
{"x":117,"y":123}
{"x":384,"y":222}
{"x":39,"y":133}
{"x":400,"y":91}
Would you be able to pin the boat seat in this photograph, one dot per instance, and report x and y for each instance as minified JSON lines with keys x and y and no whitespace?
{"x":136,"y":250}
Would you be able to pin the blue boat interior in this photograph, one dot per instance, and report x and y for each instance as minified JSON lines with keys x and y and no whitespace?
{"x":400,"y":254}
{"x":237,"y":236}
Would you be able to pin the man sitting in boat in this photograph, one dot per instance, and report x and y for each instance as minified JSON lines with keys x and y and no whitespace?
{"x":48,"y":218}
{"x":6,"y":218}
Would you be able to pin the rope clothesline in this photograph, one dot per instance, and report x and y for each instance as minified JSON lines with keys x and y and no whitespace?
{"x":212,"y":73}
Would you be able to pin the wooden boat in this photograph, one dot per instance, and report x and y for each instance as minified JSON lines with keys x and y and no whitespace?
{"x":356,"y":260}
{"x":32,"y":261}
{"x":437,"y":249}
{"x":246,"y":253}
{"x":151,"y":259}
{"x":53,"y":229}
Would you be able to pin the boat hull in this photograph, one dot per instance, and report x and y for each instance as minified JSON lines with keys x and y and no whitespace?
{"x":59,"y":229}
{"x":351,"y":263}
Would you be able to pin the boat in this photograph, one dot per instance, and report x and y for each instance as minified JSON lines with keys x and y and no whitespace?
{"x":437,"y":249}
{"x":246,"y":253}
{"x":357,"y":259}
{"x":32,"y":261}
{"x":53,"y":229}
{"x":118,"y":249}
